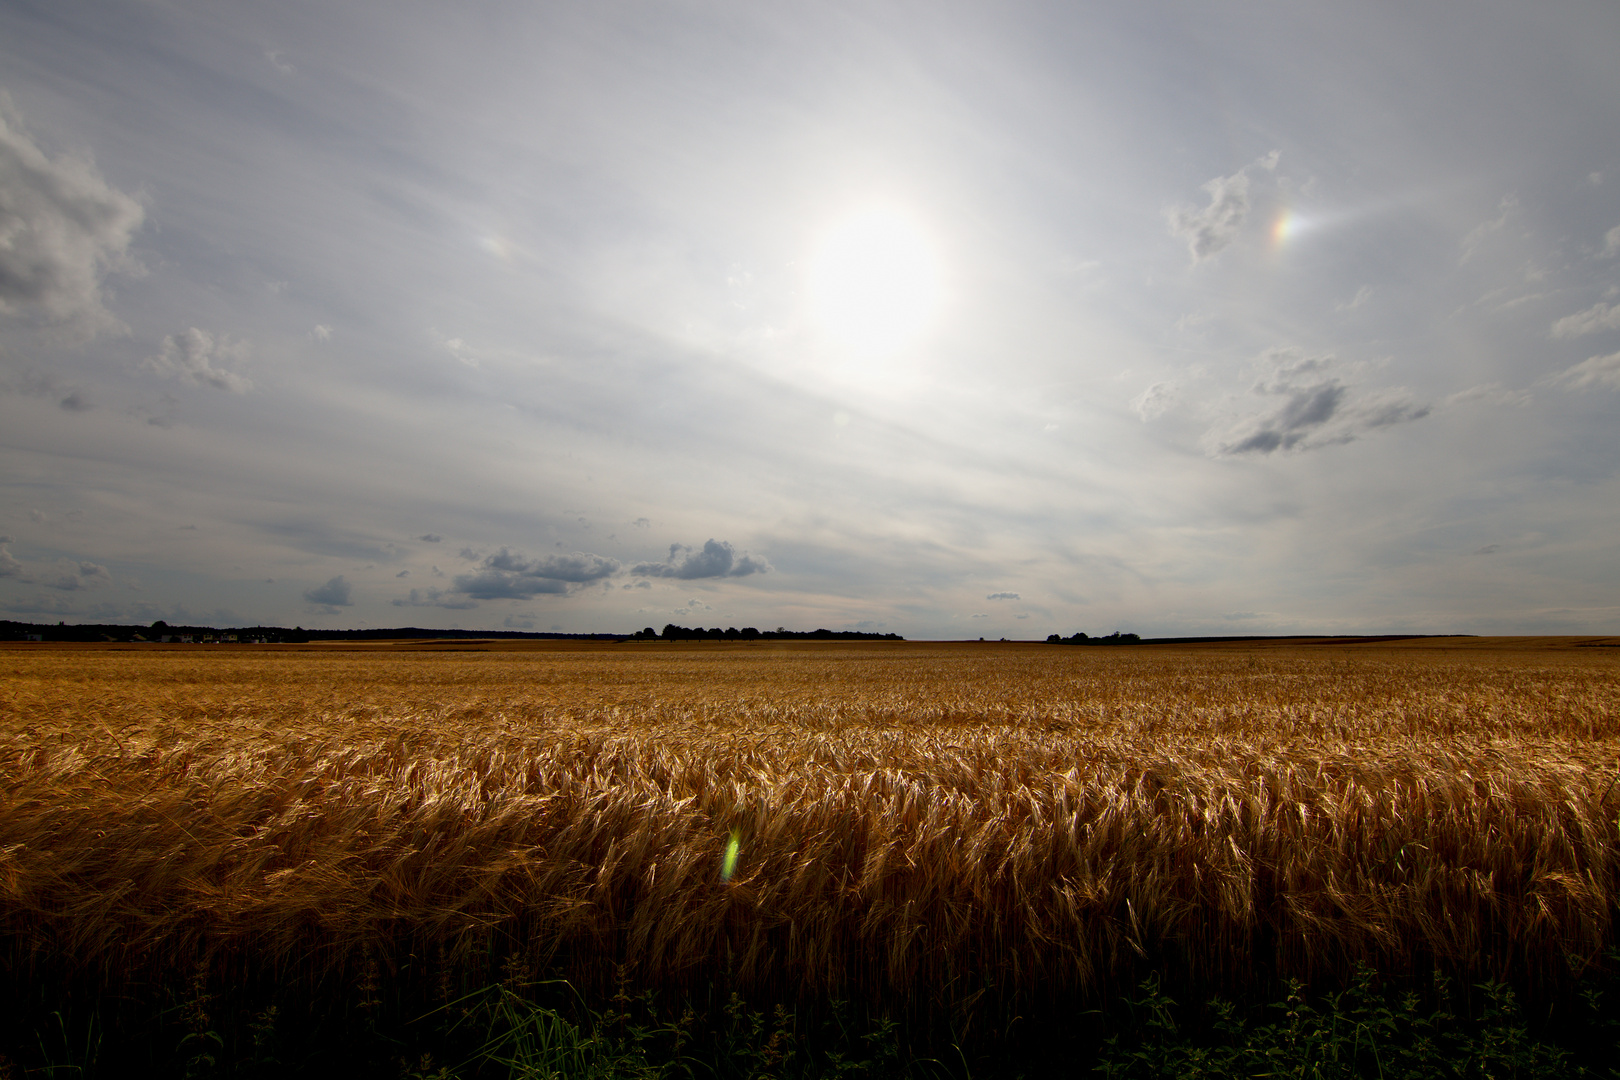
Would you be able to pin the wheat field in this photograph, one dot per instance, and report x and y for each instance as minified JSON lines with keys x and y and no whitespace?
{"x":910,"y":821}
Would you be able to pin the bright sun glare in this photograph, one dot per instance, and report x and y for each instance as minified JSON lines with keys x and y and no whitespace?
{"x":874,"y":281}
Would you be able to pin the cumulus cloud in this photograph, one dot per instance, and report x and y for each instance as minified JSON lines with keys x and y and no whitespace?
{"x":1611,"y":243}
{"x":335,"y":593}
{"x":1314,"y":408}
{"x":62,"y":228}
{"x":1003,"y":596}
{"x":195,"y":357}
{"x":1209,"y":229}
{"x":507,"y":575}
{"x":1595,"y":319}
{"x":1597,"y":371}
{"x":10,"y":567}
{"x":717,"y":558}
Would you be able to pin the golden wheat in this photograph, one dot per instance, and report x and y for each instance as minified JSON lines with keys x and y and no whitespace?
{"x":1038,"y":819}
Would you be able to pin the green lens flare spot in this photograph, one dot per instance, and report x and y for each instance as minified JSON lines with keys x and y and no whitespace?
{"x":729,"y":866}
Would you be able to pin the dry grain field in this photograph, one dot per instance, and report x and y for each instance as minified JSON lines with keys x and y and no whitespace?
{"x":911,"y":821}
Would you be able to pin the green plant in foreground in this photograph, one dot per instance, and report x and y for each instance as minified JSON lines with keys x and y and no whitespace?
{"x":78,"y":1056}
{"x":1354,"y":1033}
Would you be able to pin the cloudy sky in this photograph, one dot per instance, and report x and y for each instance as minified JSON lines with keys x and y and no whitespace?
{"x":943,"y":319}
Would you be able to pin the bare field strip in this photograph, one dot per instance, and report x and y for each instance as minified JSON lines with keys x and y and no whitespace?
{"x":919,"y":819}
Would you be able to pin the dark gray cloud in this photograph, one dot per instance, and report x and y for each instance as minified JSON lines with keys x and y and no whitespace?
{"x":717,"y":558}
{"x":1209,"y":229}
{"x":507,"y":575}
{"x":62,"y":227}
{"x":435,"y":598}
{"x":195,"y":357}
{"x":35,"y":384}
{"x":70,"y":576}
{"x":65,"y":575}
{"x":1003,"y":596}
{"x":431,"y":538}
{"x":335,"y":593}
{"x":1314,"y":408}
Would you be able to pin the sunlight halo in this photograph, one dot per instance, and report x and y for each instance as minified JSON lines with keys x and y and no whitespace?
{"x":874,"y":281}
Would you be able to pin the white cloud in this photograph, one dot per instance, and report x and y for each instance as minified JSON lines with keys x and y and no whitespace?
{"x":1593,"y":320}
{"x":1490,"y":394}
{"x":1155,"y":401}
{"x":62,"y":228}
{"x":1611,"y":243}
{"x":1363,"y":294}
{"x":194,"y":357}
{"x":1214,"y":227}
{"x":1596,"y":371}
{"x":1486,"y":229}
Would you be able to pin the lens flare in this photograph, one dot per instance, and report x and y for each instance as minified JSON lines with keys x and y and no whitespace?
{"x":728,"y":866}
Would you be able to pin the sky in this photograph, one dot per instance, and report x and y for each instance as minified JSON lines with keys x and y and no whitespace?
{"x":942,"y":319}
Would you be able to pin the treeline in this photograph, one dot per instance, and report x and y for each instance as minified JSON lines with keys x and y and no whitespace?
{"x":159,"y":631}
{"x":672,"y":632}
{"x":162,"y":632}
{"x":1116,"y":638}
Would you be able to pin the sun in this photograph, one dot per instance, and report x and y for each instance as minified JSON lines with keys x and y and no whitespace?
{"x":874,"y":281}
